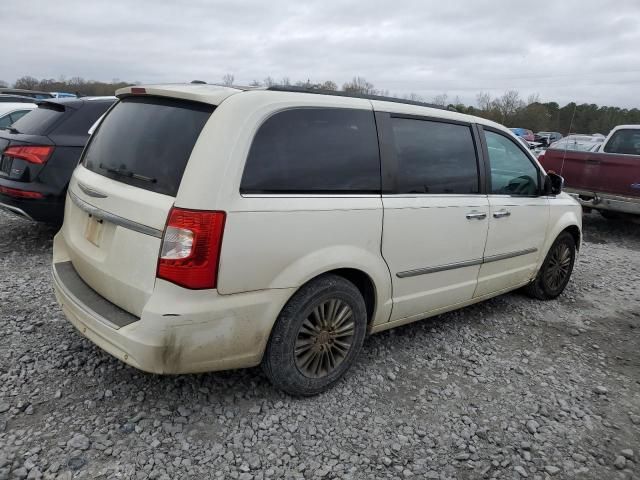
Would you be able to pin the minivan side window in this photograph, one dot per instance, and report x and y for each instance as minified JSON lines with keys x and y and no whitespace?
{"x":626,"y":142}
{"x":434,"y":157}
{"x":314,"y":150}
{"x":512,"y":171}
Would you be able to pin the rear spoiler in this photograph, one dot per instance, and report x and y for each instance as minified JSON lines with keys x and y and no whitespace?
{"x":203,"y":93}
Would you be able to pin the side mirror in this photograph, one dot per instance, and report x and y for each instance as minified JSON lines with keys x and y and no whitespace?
{"x":553,"y":184}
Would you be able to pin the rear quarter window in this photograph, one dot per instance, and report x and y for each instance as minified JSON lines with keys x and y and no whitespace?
{"x":41,"y":120}
{"x":314,"y":150}
{"x":147,"y":141}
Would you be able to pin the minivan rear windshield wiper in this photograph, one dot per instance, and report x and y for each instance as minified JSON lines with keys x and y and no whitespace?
{"x":123,"y":172}
{"x":11,"y":129}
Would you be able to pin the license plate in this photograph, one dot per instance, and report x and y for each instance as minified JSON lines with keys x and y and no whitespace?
{"x":93,"y":231}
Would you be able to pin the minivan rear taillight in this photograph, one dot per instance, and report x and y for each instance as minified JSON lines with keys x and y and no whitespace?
{"x":190,"y":250}
{"x":38,"y":154}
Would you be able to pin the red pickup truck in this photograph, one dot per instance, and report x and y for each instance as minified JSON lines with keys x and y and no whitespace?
{"x":607,"y":179}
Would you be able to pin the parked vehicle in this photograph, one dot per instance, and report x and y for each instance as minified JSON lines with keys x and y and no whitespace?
{"x":547,"y":138}
{"x":26,"y":93}
{"x":579,"y":143}
{"x":605,"y":176}
{"x":39,"y":152}
{"x":64,"y":95}
{"x":6,"y":98}
{"x":211,"y":228}
{"x":524,"y":133}
{"x":11,"y":112}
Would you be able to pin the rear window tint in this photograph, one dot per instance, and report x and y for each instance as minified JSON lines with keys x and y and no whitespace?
{"x":147,"y":141}
{"x":314,"y":150}
{"x":40,"y":120}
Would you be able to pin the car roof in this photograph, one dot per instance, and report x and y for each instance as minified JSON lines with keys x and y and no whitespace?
{"x":216,"y":94}
{"x":25,"y":92}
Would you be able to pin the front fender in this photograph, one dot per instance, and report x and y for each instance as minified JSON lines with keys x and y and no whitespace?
{"x":560,"y":219}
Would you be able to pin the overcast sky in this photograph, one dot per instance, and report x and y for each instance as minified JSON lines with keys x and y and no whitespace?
{"x":582,"y":50}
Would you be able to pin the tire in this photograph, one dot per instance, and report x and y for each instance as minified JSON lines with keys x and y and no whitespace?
{"x":320,"y":307}
{"x":546,"y":285}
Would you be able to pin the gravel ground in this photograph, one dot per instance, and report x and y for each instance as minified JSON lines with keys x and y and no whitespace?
{"x":511,"y":388}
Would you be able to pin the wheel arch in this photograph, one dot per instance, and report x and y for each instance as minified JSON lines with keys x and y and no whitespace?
{"x":569,"y":221}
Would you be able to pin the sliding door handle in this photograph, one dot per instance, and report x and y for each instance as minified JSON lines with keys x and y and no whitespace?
{"x":476,"y":216}
{"x":501,"y":213}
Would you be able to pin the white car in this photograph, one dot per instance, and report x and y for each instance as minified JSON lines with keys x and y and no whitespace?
{"x":10,"y":112}
{"x":212,"y":228}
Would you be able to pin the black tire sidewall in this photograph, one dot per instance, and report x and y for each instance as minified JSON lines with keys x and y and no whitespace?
{"x":279,"y":362}
{"x":568,"y":240}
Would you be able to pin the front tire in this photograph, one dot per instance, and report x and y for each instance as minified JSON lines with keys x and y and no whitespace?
{"x":317,"y":336}
{"x":554,"y":275}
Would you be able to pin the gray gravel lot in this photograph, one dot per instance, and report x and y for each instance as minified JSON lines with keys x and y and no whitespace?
{"x":512,"y":388}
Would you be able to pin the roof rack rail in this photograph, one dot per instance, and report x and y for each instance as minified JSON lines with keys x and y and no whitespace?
{"x":284,"y":88}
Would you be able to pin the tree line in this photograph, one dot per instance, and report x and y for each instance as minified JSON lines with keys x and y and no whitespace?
{"x":509,"y":109}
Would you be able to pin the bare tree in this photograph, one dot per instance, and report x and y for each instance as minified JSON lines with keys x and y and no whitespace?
{"x":285,"y":82}
{"x":3,"y":84}
{"x":255,"y":83}
{"x":508,"y":105}
{"x":441,"y":100}
{"x":533,"y":98}
{"x":360,"y":86}
{"x":27,"y":82}
{"x":328,"y":85}
{"x":269,"y":82}
{"x":227,"y":79}
{"x":484,"y":101}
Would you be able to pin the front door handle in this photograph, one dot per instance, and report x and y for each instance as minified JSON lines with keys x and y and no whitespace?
{"x":476,"y":216}
{"x":501,"y":213}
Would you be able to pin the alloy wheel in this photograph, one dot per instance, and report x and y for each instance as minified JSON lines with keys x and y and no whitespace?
{"x":325,"y":338}
{"x":559,"y":266}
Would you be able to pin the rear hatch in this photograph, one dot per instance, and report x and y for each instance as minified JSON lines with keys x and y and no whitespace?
{"x":122,"y":192}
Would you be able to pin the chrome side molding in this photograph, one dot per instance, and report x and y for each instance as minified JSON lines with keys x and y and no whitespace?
{"x":439,"y":268}
{"x":466,"y":263}
{"x":504,"y":256}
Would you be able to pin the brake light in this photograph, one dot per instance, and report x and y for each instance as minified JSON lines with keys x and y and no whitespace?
{"x":190,"y":251}
{"x":14,"y":192}
{"x":30,"y":153}
{"x":138,"y":90}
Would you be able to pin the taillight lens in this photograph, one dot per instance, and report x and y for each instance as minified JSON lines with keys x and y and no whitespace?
{"x":190,"y":251}
{"x":31,"y":153}
{"x":14,"y":192}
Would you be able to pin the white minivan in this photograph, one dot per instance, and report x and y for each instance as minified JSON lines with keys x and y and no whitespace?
{"x":212,"y":228}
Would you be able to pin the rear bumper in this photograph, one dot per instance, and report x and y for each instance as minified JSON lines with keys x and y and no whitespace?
{"x":180,"y":331}
{"x":606,"y":201}
{"x":48,"y":210}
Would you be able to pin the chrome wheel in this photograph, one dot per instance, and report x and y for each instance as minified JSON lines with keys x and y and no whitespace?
{"x":325,"y":338}
{"x":559,"y":266}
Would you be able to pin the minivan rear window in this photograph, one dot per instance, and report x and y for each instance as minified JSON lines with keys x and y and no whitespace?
{"x":147,"y":141}
{"x":40,"y":120}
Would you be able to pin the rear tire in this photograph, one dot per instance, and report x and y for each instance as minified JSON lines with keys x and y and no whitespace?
{"x":317,"y":336}
{"x":555,"y":272}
